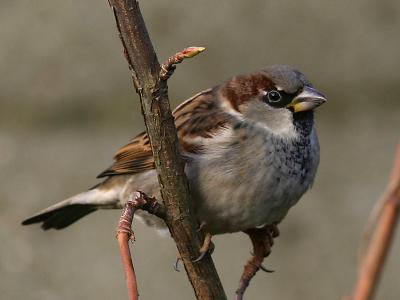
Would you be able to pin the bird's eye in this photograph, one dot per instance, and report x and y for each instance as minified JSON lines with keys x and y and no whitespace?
{"x":274,"y":96}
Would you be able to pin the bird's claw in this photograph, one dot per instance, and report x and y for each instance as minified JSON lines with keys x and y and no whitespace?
{"x":201,"y":256}
{"x":262,"y":267}
{"x":208,"y":247}
{"x":201,"y":226}
{"x":266,"y":270}
{"x":176,"y":264}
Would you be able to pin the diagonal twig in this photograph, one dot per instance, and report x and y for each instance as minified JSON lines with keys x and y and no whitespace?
{"x":381,"y":239}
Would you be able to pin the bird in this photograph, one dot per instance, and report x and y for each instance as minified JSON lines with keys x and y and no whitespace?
{"x":250,"y":149}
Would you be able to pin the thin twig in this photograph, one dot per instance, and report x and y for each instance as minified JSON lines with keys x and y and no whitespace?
{"x":168,"y":67}
{"x":381,"y":240}
{"x":161,"y":130}
{"x":124,"y":235}
{"x":138,"y":200}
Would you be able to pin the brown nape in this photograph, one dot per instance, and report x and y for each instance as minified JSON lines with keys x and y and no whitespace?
{"x":245,"y":87}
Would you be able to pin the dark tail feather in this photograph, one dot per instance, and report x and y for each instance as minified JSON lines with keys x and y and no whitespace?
{"x":66,"y":212}
{"x":61,"y":217}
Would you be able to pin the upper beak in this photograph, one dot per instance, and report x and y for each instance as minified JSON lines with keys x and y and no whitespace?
{"x":308,"y":99}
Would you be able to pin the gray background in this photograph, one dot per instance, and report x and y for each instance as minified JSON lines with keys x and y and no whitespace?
{"x":67,"y":104}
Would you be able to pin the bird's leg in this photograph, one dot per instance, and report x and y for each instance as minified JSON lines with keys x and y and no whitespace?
{"x":262,"y":240}
{"x":208,"y":246}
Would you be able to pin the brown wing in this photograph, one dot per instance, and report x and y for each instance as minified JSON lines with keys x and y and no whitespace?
{"x":196,"y":119}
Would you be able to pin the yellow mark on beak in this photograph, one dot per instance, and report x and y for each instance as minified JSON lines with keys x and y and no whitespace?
{"x":308,"y":99}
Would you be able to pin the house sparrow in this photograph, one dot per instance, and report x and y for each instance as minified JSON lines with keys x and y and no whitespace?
{"x":250,"y":148}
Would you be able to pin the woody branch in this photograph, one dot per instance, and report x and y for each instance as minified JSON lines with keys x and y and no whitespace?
{"x":153,"y":94}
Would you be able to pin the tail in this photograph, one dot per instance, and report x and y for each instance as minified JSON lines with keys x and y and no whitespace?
{"x":64,"y":213}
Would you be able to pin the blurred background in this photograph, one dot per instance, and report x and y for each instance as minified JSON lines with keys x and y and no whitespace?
{"x":67,"y":104}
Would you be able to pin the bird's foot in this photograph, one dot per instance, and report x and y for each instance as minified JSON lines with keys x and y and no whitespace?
{"x":262,"y":240}
{"x":176,"y":263}
{"x":207,"y":247}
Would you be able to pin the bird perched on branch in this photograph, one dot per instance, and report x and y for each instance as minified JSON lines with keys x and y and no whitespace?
{"x":250,"y":150}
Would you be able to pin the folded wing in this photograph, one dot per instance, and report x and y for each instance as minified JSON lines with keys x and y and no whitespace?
{"x":197,"y":119}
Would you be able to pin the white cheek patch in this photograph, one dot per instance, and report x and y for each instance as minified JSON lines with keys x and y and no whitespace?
{"x":277,"y":121}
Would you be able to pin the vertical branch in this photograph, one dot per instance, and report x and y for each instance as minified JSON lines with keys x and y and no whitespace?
{"x":161,"y":129}
{"x":379,"y":245}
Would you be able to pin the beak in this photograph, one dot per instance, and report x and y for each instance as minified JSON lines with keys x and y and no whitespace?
{"x":308,"y":99}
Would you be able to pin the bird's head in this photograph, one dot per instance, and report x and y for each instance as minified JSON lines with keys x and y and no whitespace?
{"x":273,"y":97}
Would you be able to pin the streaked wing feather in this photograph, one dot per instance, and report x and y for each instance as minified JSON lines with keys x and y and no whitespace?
{"x":134,"y":157}
{"x":196,"y":119}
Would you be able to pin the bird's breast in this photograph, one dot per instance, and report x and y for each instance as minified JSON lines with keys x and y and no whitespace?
{"x":247,"y":178}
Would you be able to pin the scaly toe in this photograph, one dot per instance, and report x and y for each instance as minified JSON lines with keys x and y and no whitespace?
{"x":208,"y":247}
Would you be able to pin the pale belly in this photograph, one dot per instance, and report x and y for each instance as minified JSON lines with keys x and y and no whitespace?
{"x":246,"y":202}
{"x":249,"y":187}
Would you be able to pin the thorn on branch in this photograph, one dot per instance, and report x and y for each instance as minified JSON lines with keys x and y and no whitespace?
{"x":168,"y":67}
